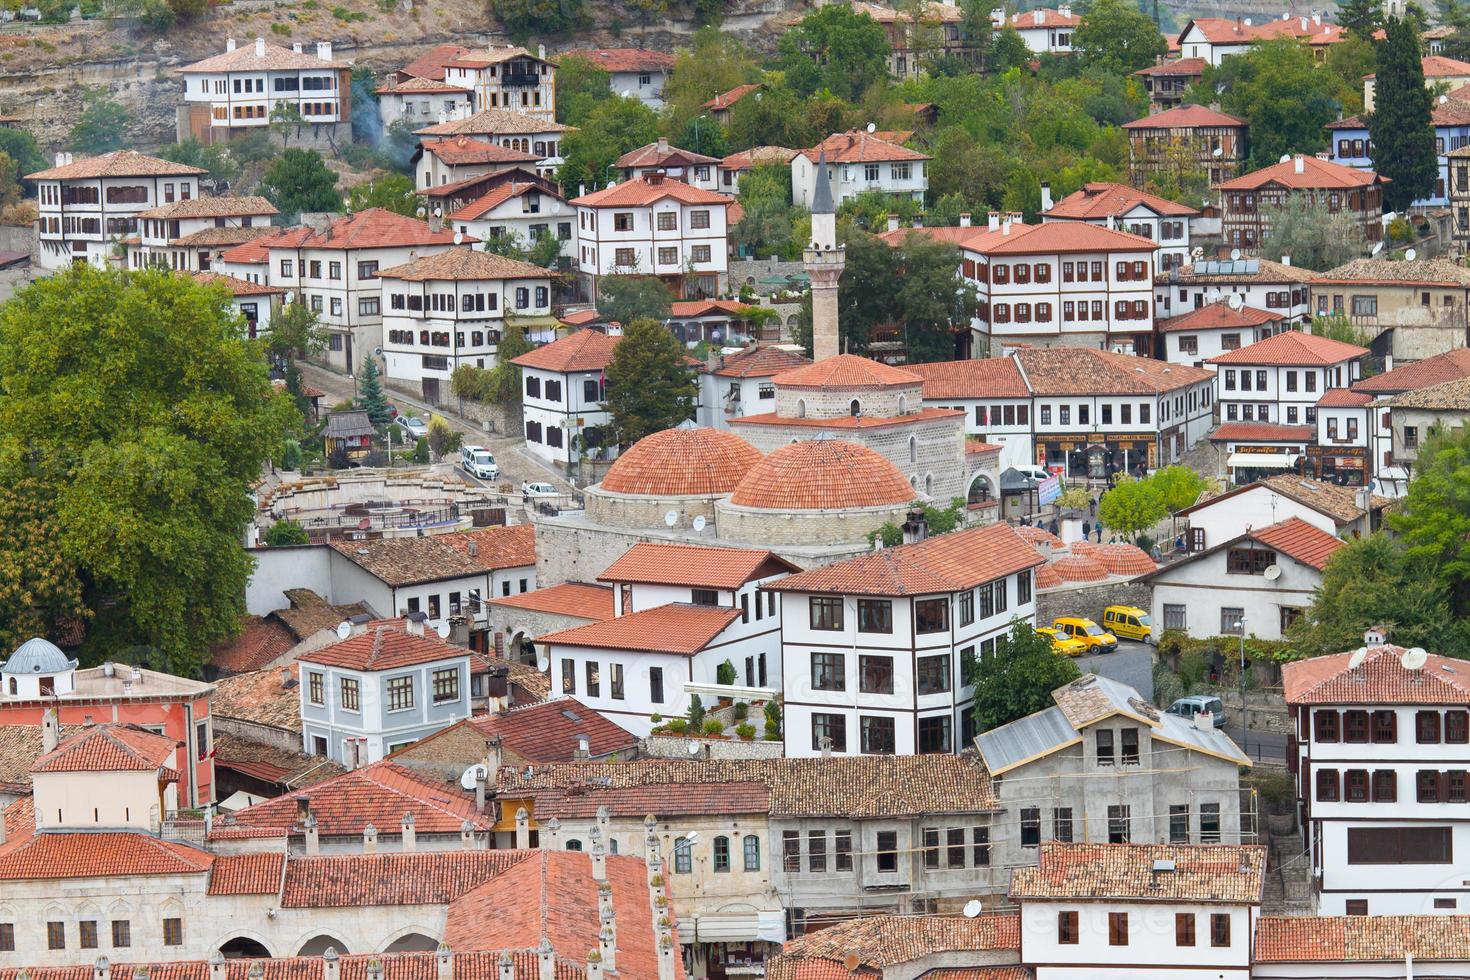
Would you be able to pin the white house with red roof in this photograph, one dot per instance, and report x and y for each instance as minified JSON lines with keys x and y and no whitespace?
{"x":187,"y":234}
{"x":419,"y":100}
{"x":1438,"y":70}
{"x":452,"y":159}
{"x":507,"y":77}
{"x":1054,"y":283}
{"x":655,"y":225}
{"x":660,"y":157}
{"x":526,"y":209}
{"x":1136,"y":212}
{"x":1253,"y":450}
{"x":1279,"y":287}
{"x":631,"y":72}
{"x":254,"y":302}
{"x":1045,"y":30}
{"x":236,"y":92}
{"x":1217,"y":38}
{"x":451,"y":308}
{"x":1380,"y":753}
{"x":1342,"y":511}
{"x":1246,"y":201}
{"x":1232,"y":582}
{"x":743,"y":383}
{"x":723,"y":104}
{"x":87,"y":207}
{"x":1281,"y":379}
{"x":1346,"y":427}
{"x":858,"y":162}
{"x":878,"y":651}
{"x":683,"y":613}
{"x":564,"y":387}
{"x":505,"y":128}
{"x":1225,"y":325}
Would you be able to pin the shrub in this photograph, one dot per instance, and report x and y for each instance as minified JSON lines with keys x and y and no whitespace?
{"x":725,"y":674}
{"x":678,"y":726}
{"x":656,"y":718}
{"x":742,"y":710}
{"x":773,"y":722}
{"x":696,"y":712}
{"x":421,"y":450}
{"x":286,"y":532}
{"x":713,"y":726}
{"x":1276,"y":790}
{"x":291,"y":455}
{"x":745,"y":731}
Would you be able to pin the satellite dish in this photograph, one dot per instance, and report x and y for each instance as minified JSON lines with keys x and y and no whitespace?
{"x":459,"y":238}
{"x":443,"y":630}
{"x":695,"y":748}
{"x":1235,"y":255}
{"x":972,"y":908}
{"x":344,"y":630}
{"x":699,"y":523}
{"x":1215,"y":296}
{"x":1356,"y":660}
{"x":1217,"y":151}
{"x":872,"y":127}
{"x":472,"y":776}
{"x":1272,"y":572}
{"x":852,"y":962}
{"x":422,"y":212}
{"x":1377,"y":247}
{"x":377,"y":352}
{"x":1285,"y":158}
{"x":671,"y":518}
{"x":1235,"y":301}
{"x":1443,"y":99}
{"x":541,"y":662}
{"x":1410,"y":255}
{"x":1414,"y":658}
{"x":1247,"y":22}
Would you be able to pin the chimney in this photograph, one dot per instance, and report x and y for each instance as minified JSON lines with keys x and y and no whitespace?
{"x":296,"y":46}
{"x":324,"y":50}
{"x":915,"y":528}
{"x":410,"y":836}
{"x":494,"y":756}
{"x":550,"y":830}
{"x":445,"y":962}
{"x":313,"y":838}
{"x":229,"y":44}
{"x":369,"y":839}
{"x":607,"y":942}
{"x":1317,"y":20}
{"x":217,"y":970}
{"x":467,"y":835}
{"x":541,"y":51}
{"x":965,"y":220}
{"x":603,"y":820}
{"x":918,"y":221}
{"x":594,"y":964}
{"x":1045,"y":197}
{"x":825,"y":744}
{"x":523,"y":829}
{"x":599,"y":860}
{"x":893,"y":222}
{"x":374,"y":969}
{"x":2,"y":826}
{"x":1204,"y":721}
{"x":1299,"y":164}
{"x":546,"y":961}
{"x":415,"y":620}
{"x":1005,"y":225}
{"x":666,"y":957}
{"x":260,"y":47}
{"x":1286,"y":260}
{"x":507,"y":966}
{"x":1065,"y":10}
{"x":50,"y":730}
{"x":1038,"y":17}
{"x":583,"y":749}
{"x":1239,"y":27}
{"x":102,"y":969}
{"x":472,"y":548}
{"x":481,"y":779}
{"x":992,"y":220}
{"x":662,"y":145}
{"x":1110,"y":222}
{"x":605,"y":901}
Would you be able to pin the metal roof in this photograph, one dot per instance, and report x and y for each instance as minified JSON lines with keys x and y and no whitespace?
{"x":1024,"y":739}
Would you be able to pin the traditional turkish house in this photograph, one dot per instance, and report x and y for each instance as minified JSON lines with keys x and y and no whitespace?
{"x":1167,"y":81}
{"x":1186,"y":136}
{"x":1245,"y":200}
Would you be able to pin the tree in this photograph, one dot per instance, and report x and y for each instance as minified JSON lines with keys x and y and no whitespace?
{"x":1399,"y":126}
{"x":503,"y":387}
{"x":1315,"y":237}
{"x":523,"y":19}
{"x":1017,"y":680}
{"x":714,"y":63}
{"x":834,"y":48}
{"x":285,"y":118}
{"x":769,"y":224}
{"x":39,"y":583}
{"x":1362,"y":17}
{"x":544,"y":251}
{"x":1337,"y":326}
{"x":1118,"y":38}
{"x":649,"y":388}
{"x":1434,"y":518}
{"x":1132,"y":507}
{"x":1350,"y":59}
{"x":611,"y":128}
{"x":580,"y":85}
{"x":286,"y":532}
{"x":103,"y":124}
{"x":443,"y":439}
{"x":295,"y":333}
{"x":623,"y":299}
{"x":395,"y":192}
{"x":1179,"y":487}
{"x":370,"y":395}
{"x":299,"y":181}
{"x":1008,"y":52}
{"x":144,"y":416}
{"x":20,"y":146}
{"x":215,"y":158}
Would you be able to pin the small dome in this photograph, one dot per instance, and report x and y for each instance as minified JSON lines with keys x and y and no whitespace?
{"x":1079,"y":569}
{"x":38,"y":656}
{"x":847,"y":371}
{"x":682,"y":462}
{"x":1125,"y":559}
{"x":1085,"y":547}
{"x":1038,"y":535}
{"x":822,"y":474}
{"x":1047,"y":577}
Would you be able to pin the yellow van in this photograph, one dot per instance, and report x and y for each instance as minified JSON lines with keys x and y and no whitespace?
{"x":1129,"y":622}
{"x":1062,"y":643}
{"x":1081,"y":628}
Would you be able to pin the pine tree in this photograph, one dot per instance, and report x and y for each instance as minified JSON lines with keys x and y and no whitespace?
{"x":1362,"y":17}
{"x":1400,"y":126}
{"x":370,"y":395}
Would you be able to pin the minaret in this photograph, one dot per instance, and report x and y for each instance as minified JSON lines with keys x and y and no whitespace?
{"x":824,"y":260}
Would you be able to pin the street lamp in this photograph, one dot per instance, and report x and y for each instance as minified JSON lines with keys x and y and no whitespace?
{"x":1245,"y":718}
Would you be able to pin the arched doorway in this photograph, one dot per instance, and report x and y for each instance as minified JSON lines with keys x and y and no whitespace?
{"x":981,"y":491}
{"x":317,"y":945}
{"x":244,"y":948}
{"x":412,"y":942}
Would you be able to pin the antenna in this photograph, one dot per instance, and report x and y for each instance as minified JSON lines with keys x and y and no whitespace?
{"x":698,"y":524}
{"x":472,"y":775}
{"x":972,"y":908}
{"x":1414,"y":658}
{"x":1235,"y":255}
{"x":671,"y":518}
{"x":1272,"y":572}
{"x":344,"y":630}
{"x":1356,"y":660}
{"x":1235,"y":301}
{"x":443,"y":630}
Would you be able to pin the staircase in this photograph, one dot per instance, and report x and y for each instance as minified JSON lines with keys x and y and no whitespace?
{"x":1288,"y":886}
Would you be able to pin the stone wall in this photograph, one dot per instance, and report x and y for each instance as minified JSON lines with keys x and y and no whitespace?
{"x":676,"y":747}
{"x":836,"y":403}
{"x":637,"y":510}
{"x":771,"y":529}
{"x":1090,"y":599}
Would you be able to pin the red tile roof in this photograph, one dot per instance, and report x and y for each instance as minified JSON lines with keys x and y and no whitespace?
{"x":1380,"y":679}
{"x":1079,"y":568}
{"x":987,"y":377}
{"x":373,"y":228}
{"x":1185,"y":117}
{"x":493,"y":198}
{"x":1050,"y":238}
{"x":1292,"y":348}
{"x":261,"y":642}
{"x":759,"y":361}
{"x":109,"y":748}
{"x":549,"y":731}
{"x":878,"y":942}
{"x":1028,"y":19}
{"x":431,"y":63}
{"x":682,"y":462}
{"x":1344,"y":398}
{"x":690,"y":308}
{"x":846,"y":421}
{"x":642,"y":192}
{"x":1315,"y":174}
{"x":462,"y":150}
{"x":235,"y":286}
{"x":585,"y":350}
{"x":411,"y":561}
{"x":412,"y":86}
{"x":1100,"y":200}
{"x":576,"y":599}
{"x":860,"y":147}
{"x":661,"y":154}
{"x":727,"y":799}
{"x":1125,"y":559}
{"x":247,"y":874}
{"x":387,"y":645}
{"x":1038,"y":535}
{"x":757,"y":155}
{"x":945,"y":563}
{"x":726,"y":99}
{"x":624,"y":59}
{"x":1362,"y":939}
{"x":1218,"y":316}
{"x":1086,"y":371}
{"x":415,"y":878}
{"x":1176,"y":66}
{"x":1438,"y":66}
{"x":678,"y":628}
{"x":1262,"y":432}
{"x":847,"y":371}
{"x":1223,"y":873}
{"x":119,"y":163}
{"x":492,"y":122}
{"x":378,"y":794}
{"x":273,"y":58}
{"x":1297,"y":539}
{"x":474,"y":965}
{"x":463,"y":263}
{"x":822,"y":474}
{"x":700,"y":566}
{"x":121,"y":854}
{"x":1223,"y":30}
{"x":1449,"y":366}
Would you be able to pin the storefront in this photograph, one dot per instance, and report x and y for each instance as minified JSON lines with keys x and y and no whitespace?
{"x":1249,"y":463}
{"x":731,"y":943}
{"x":1100,"y":460}
{"x":1346,"y":466}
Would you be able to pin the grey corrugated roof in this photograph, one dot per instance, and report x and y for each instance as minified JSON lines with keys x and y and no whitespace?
{"x":1025,"y":738}
{"x":1178,"y":729}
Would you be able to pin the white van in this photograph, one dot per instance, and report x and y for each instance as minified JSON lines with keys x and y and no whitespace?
{"x":478,"y":462}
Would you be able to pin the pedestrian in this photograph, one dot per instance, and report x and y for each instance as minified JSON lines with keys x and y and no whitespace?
{"x":1086,"y":529}
{"x":1092,"y":506}
{"x":1179,"y":543}
{"x":1098,"y":529}
{"x":1053,"y":527}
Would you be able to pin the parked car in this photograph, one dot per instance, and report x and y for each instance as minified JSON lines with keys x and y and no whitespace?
{"x":1033,"y":473}
{"x":1098,"y":640}
{"x":479,"y":462}
{"x":1129,"y":623}
{"x":1062,"y":643}
{"x":1199,"y":704}
{"x":413,"y":427}
{"x":529,"y":489}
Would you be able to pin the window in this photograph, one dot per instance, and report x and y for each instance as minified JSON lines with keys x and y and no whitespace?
{"x":704,"y":597}
{"x":87,"y":933}
{"x":1117,"y":928}
{"x":594,"y":679}
{"x":721,"y":848}
{"x":400,"y":693}
{"x":173,"y":932}
{"x":1104,"y":739}
{"x":1023,"y":588}
{"x":7,"y":937}
{"x":829,"y":726}
{"x":446,"y":685}
{"x":752,"y":847}
{"x":1068,"y":933}
{"x":1356,"y":906}
{"x":1231,"y":618}
{"x":875,"y":674}
{"x":1129,"y":746}
{"x":668,"y":220}
{"x":1428,"y":785}
{"x":1219,"y":929}
{"x":1119,"y":825}
{"x":987,"y":601}
{"x":1456,"y":727}
{"x":980,"y":846}
{"x":569,"y":676}
{"x":1249,"y":561}
{"x":1179,"y":823}
{"x":966,"y":604}
{"x":1385,"y":786}
{"x":656,"y":685}
{"x":828,"y":672}
{"x":1327,"y":786}
{"x":349,"y":693}
{"x":1325,"y":724}
{"x":875,"y":615}
{"x":1426,"y":727}
{"x":314,"y":688}
{"x":1411,"y":436}
{"x":1174,"y":618}
{"x":56,"y":935}
{"x":877,"y":733}
{"x":668,"y":256}
{"x":791,"y":851}
{"x":698,"y":219}
{"x":842,"y":850}
{"x":933,"y":674}
{"x":1355,"y":727}
{"x":625,"y":258}
{"x":1030,"y":826}
{"x":1385,"y":727}
{"x":826,"y":612}
{"x":1209,"y":823}
{"x":931,"y":615}
{"x":1399,"y":845}
{"x":816,"y":851}
{"x":934,"y":734}
{"x":623,"y":221}
{"x":683,"y":856}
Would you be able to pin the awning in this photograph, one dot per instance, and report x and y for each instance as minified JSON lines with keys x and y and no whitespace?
{"x":733,"y":927}
{"x":1265,"y":461}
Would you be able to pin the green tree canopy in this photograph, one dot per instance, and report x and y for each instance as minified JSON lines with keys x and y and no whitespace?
{"x":612,"y":128}
{"x":1362,"y":17}
{"x":1315,"y":237}
{"x":624,"y":299}
{"x":393,"y":192}
{"x":20,"y":146}
{"x":649,"y":387}
{"x":285,"y":532}
{"x":1018,"y":679}
{"x":40,"y":584}
{"x":370,"y":394}
{"x":1434,"y":518}
{"x":834,"y":48}
{"x":1132,"y":507}
{"x":580,"y":85}
{"x":295,"y":332}
{"x":299,"y":181}
{"x":1116,"y":37}
{"x":770,"y":224}
{"x":103,"y":124}
{"x":143,"y":415}
{"x":524,"y":19}
{"x":1399,"y":126}
{"x":215,"y":158}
